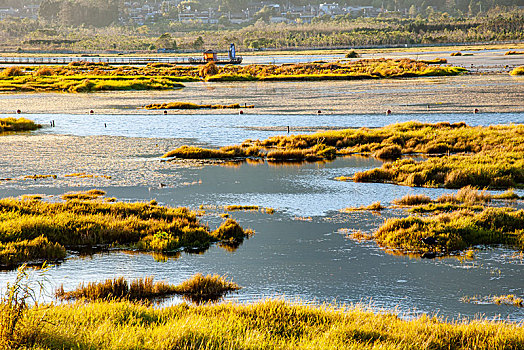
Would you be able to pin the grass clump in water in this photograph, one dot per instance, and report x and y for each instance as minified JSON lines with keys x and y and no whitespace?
{"x":198,"y":288}
{"x":466,"y":198}
{"x":91,"y":194}
{"x":241,"y":207}
{"x":517,"y":71}
{"x":372,"y":207}
{"x":40,"y":176}
{"x":509,"y":299}
{"x":192,"y":152}
{"x":118,"y":289}
{"x":189,"y":105}
{"x":80,"y":223}
{"x":201,"y":288}
{"x":413,"y":199}
{"x":455,"y":231}
{"x":490,"y":157}
{"x":17,"y":124}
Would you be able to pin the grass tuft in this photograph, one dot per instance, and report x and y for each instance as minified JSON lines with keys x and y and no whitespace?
{"x":373,"y":207}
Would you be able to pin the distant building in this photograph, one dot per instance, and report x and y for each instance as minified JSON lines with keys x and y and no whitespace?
{"x":8,"y":12}
{"x":330,"y":9}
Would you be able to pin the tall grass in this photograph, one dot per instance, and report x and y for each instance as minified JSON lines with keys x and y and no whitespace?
{"x":269,"y":324}
{"x":19,"y":328}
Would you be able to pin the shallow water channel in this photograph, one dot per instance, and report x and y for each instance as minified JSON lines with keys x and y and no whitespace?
{"x":300,"y":252}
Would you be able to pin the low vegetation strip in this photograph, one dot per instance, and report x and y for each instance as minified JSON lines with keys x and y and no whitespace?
{"x":509,"y":299}
{"x":360,"y":69}
{"x":92,"y":77}
{"x":81,"y":222}
{"x":266,"y":324}
{"x":448,"y":233}
{"x":17,"y":124}
{"x":74,"y":84}
{"x":189,"y":105}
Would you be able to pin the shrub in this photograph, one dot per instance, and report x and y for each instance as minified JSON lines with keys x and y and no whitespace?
{"x":209,"y":69}
{"x":352,"y":54}
{"x":12,"y":71}
{"x":230,"y":230}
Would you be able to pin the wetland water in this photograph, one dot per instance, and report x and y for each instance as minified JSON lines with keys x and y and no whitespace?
{"x":299,"y":252}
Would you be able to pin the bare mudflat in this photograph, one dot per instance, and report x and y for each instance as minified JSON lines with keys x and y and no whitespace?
{"x":459,"y":94}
